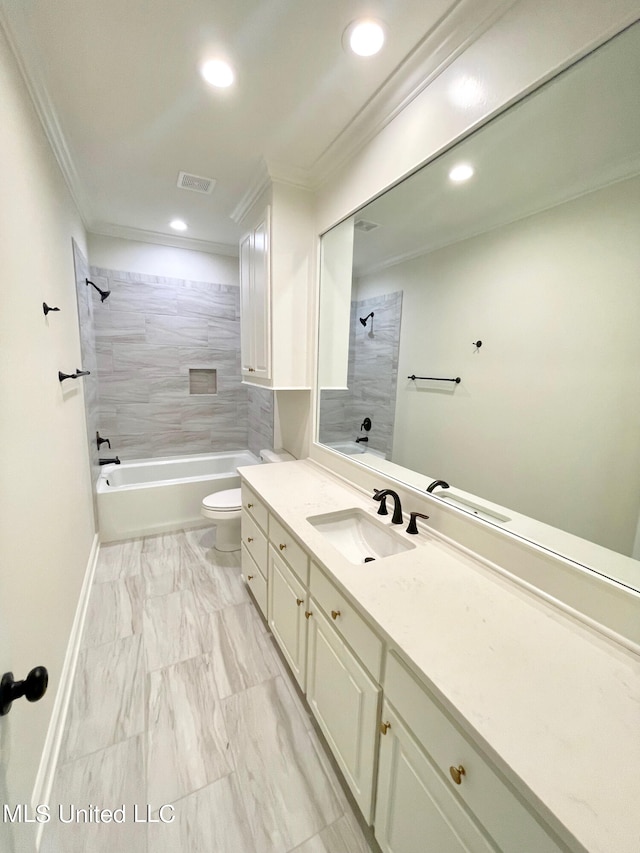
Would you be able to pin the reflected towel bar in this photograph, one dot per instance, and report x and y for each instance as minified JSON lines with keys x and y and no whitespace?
{"x":457,"y":380}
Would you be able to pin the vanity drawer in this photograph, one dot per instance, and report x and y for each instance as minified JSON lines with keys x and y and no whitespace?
{"x":254,"y":507}
{"x":289,"y":550}
{"x":347,"y":621}
{"x":254,"y":541}
{"x":255,"y":580}
{"x":495,"y":805}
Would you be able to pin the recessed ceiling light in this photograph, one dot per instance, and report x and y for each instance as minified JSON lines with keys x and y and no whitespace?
{"x":461,"y":172}
{"x":365,"y":38}
{"x":218,"y":73}
{"x":178,"y":225}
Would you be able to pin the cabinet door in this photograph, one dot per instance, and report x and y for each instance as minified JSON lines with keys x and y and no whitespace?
{"x":415,"y":810}
{"x":344,"y":701}
{"x":261,"y":299}
{"x":246,"y":325}
{"x":287,"y":620}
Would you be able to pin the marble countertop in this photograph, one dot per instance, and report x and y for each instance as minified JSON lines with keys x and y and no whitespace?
{"x":555,"y":704}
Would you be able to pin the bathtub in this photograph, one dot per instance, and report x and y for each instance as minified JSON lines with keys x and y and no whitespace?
{"x":154,"y":495}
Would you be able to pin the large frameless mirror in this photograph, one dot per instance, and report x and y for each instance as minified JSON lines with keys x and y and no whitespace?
{"x":522,"y":281}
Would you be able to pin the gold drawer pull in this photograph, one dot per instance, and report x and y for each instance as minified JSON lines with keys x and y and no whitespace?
{"x":249,"y":506}
{"x":384,"y":728}
{"x":282,"y":547}
{"x":250,"y":577}
{"x":308,"y":613}
{"x":299,"y":601}
{"x":251,"y":369}
{"x":335,"y":614}
{"x":249,"y":538}
{"x":457,"y":773}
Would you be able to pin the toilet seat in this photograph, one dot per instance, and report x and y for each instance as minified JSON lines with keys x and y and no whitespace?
{"x":229,"y":500}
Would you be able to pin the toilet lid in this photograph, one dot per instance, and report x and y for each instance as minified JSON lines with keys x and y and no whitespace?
{"x":228,"y":500}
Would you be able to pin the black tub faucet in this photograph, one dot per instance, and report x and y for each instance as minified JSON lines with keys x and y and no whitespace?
{"x":362,"y":438}
{"x":435,"y":483}
{"x":397,"y":508}
{"x":114,"y":461}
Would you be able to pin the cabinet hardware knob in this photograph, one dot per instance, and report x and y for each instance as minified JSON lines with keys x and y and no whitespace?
{"x":299,"y":601}
{"x":249,"y":538}
{"x":252,"y":370}
{"x":308,"y":613}
{"x":250,"y":577}
{"x":335,"y":614}
{"x":384,"y":728}
{"x":282,"y":547}
{"x":249,"y":506}
{"x":457,"y":773}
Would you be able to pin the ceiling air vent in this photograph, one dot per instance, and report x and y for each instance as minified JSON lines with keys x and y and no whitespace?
{"x":365,"y":225}
{"x":195,"y":183}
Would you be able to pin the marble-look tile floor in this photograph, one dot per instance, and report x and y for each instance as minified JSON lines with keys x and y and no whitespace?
{"x":182,"y":709}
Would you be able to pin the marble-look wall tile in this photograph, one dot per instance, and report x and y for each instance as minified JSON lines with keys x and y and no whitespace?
{"x":151,"y":330}
{"x":260,"y":418}
{"x":187,"y":738}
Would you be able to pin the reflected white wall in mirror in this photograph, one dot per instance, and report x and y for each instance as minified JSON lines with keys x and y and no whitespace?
{"x":538,"y":256}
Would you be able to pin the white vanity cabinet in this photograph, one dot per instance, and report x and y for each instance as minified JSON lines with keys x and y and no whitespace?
{"x":254,"y":546}
{"x":344,"y":700}
{"x":434,"y":775}
{"x":288,"y":614}
{"x":255,"y":298}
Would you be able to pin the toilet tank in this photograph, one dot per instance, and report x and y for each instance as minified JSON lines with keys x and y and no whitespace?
{"x":276,"y":456}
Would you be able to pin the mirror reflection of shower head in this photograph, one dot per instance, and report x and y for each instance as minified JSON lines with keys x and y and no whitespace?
{"x":363,"y":320}
{"x":104,"y":294}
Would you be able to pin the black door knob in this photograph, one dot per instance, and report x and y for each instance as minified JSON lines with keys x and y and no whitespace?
{"x":33,"y":688}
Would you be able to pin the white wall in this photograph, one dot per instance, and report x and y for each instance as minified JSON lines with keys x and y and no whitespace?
{"x":116,"y":253}
{"x":46,"y":519}
{"x":547,"y":409}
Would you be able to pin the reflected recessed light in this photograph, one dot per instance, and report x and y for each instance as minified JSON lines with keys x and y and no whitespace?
{"x":461,"y":172}
{"x":218,"y":73}
{"x":467,"y":92}
{"x":364,"y":37}
{"x":178,"y":225}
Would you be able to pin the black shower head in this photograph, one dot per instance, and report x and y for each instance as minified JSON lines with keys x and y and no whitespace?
{"x":104,"y":294}
{"x":363,"y":320}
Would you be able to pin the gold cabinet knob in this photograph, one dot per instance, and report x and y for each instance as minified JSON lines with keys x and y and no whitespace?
{"x":457,"y":773}
{"x":249,"y":538}
{"x":282,"y":547}
{"x":308,"y":614}
{"x":335,"y":614}
{"x":250,"y":577}
{"x":251,"y":369}
{"x":249,"y":506}
{"x":299,"y":601}
{"x":384,"y":728}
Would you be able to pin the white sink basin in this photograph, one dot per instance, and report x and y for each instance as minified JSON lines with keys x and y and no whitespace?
{"x":358,"y":536}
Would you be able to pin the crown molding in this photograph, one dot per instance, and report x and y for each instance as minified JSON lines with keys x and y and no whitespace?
{"x":28,"y":63}
{"x":456,"y":30}
{"x":259,"y":183}
{"x":106,"y":229}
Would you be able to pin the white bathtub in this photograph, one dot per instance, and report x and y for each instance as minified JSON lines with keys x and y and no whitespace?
{"x":154,"y":495}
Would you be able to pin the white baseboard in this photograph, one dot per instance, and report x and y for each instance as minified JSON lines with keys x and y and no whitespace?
{"x":51,"y":751}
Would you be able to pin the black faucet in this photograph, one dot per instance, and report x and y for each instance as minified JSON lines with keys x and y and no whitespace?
{"x":102,"y":461}
{"x":362,"y":438}
{"x":412,"y":527}
{"x":397,"y":508}
{"x":100,"y":441}
{"x":435,"y":483}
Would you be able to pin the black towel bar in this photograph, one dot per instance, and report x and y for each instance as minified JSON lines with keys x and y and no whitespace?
{"x":457,"y":380}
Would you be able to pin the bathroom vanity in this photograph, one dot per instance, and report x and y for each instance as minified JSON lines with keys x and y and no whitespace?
{"x":465,"y":712}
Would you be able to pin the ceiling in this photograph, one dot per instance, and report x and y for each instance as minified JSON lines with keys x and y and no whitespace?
{"x":118,"y":89}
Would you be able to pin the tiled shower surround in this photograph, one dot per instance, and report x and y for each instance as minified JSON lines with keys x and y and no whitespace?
{"x":372,"y":377}
{"x":149,"y":334}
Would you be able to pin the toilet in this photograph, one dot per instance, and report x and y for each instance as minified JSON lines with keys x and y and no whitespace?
{"x":225,"y":507}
